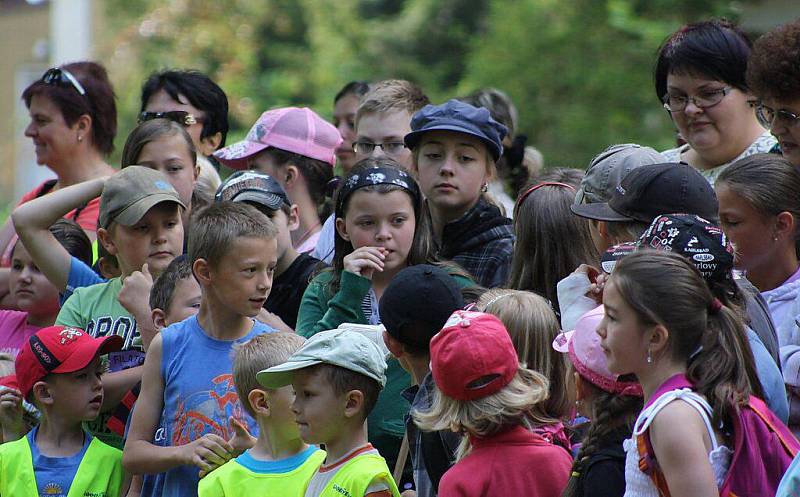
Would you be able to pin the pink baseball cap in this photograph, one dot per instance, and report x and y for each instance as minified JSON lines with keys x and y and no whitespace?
{"x":583,"y":347}
{"x":473,"y":356}
{"x":297,"y":130}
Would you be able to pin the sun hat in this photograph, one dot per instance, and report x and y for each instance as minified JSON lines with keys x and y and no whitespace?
{"x":253,"y":186}
{"x":293,"y":129}
{"x":131,"y":192}
{"x":608,"y":168}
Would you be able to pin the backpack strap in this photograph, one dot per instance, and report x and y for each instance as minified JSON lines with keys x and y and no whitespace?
{"x":758,"y":407}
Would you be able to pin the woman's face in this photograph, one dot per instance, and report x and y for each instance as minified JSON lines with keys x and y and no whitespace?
{"x":720,"y":131}
{"x":53,"y":139}
{"x":786,"y":131}
{"x":344,"y":118}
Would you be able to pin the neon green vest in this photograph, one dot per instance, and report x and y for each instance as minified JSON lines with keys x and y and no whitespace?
{"x":353,"y":479}
{"x":99,"y":473}
{"x":233,"y":479}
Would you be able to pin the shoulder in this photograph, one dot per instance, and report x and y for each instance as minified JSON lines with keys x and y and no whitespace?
{"x":107,"y":452}
{"x":663,"y":435}
{"x":674,"y":154}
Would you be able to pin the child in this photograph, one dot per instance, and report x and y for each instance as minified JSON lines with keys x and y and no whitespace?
{"x":175,"y":295}
{"x":455,"y":147}
{"x":411,"y":321}
{"x":294,"y":270}
{"x":17,"y":416}
{"x":345,"y":105}
{"x":611,"y":403}
{"x":187,"y":380}
{"x":59,"y":370}
{"x":662,"y":324}
{"x":36,"y":297}
{"x":280,"y":463}
{"x":533,"y":326}
{"x":336,"y":376}
{"x":484,"y":392}
{"x":297,"y":148}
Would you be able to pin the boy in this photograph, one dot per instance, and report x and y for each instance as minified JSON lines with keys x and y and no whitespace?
{"x":59,"y":370}
{"x":293,"y":271}
{"x":411,"y":321}
{"x":280,"y":463}
{"x":139,"y":223}
{"x":175,"y":295}
{"x":336,"y":376}
{"x":187,"y":384}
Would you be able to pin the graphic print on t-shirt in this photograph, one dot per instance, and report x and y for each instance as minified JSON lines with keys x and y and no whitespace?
{"x":207,"y":412}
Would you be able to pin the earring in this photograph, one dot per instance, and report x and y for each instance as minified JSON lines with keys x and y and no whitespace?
{"x":80,"y":138}
{"x":649,"y":357}
{"x":485,"y":188}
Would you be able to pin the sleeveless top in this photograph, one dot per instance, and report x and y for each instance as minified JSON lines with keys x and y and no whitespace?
{"x":638,"y":484}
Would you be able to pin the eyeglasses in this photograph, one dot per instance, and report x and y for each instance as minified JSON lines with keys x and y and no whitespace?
{"x":767,"y":116}
{"x":366,"y":148}
{"x":178,"y":116}
{"x":703,"y":100}
{"x":58,"y":76}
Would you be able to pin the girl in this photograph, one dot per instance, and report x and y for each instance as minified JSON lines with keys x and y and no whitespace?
{"x":700,"y":80}
{"x":455,"y":147}
{"x":345,"y":105}
{"x":664,"y":325}
{"x":483,"y":392}
{"x":533,"y":326}
{"x":550,"y":240}
{"x":379,"y":231}
{"x":612,"y":403}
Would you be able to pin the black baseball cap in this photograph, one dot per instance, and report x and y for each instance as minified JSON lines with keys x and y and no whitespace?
{"x":652,"y":190}
{"x":423,"y":295}
{"x":253,"y":186}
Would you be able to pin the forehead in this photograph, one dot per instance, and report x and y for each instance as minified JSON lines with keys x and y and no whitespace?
{"x":380,"y":125}
{"x":20,"y":252}
{"x":165,"y":145}
{"x":42,"y":104}
{"x":451,"y":139}
{"x":376,"y":203}
{"x":161,"y":101}
{"x":689,"y":80}
{"x":186,"y":288}
{"x":790,"y":105}
{"x":345,"y":106}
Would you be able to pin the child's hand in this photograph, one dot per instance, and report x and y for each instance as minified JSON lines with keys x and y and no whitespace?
{"x":273,"y":320}
{"x":364,"y":261}
{"x":207,"y":452}
{"x":240,"y":441}
{"x":11,"y":411}
{"x":597,"y":279}
{"x":135,"y":298}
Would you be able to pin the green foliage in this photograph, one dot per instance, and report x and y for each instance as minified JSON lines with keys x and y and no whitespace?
{"x":579,"y":71}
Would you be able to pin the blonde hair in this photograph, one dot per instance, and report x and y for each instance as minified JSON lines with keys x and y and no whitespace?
{"x":392,"y":95}
{"x":533,"y":326}
{"x":486,"y":416}
{"x":259,"y":353}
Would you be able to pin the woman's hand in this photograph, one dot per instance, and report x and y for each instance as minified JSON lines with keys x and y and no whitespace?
{"x":364,"y":261}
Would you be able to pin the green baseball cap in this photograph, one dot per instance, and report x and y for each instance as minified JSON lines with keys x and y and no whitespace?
{"x":130,"y":193}
{"x":341,"y":347}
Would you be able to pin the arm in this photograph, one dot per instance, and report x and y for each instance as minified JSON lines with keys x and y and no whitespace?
{"x":683,"y":454}
{"x":135,"y":298}
{"x":117,"y":384}
{"x":34,"y":218}
{"x":318,"y":313}
{"x":141,"y":456}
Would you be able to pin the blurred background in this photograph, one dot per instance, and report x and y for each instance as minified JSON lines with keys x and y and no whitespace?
{"x":579,"y":71}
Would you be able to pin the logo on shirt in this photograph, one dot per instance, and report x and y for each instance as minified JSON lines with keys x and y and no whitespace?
{"x":207,"y":412}
{"x":53,"y":489}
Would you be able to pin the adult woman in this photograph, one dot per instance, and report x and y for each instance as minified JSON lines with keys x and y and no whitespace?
{"x":700,"y":78}
{"x":345,"y":105}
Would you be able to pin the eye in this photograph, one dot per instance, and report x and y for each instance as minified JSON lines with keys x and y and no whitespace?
{"x":432,"y":155}
{"x":365,"y":222}
{"x":17,"y":266}
{"x":399,"y":220}
{"x":467,"y":158}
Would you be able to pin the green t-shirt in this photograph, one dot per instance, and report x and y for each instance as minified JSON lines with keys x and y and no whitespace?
{"x":96,"y":310}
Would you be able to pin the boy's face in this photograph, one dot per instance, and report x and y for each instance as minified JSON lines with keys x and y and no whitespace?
{"x":280,"y":410}
{"x":77,"y":396}
{"x":185,"y":301}
{"x":31,"y":289}
{"x":156,"y":239}
{"x":318,"y":410}
{"x":385,"y":127}
{"x":243,"y":279}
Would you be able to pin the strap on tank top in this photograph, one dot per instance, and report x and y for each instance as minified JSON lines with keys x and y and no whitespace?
{"x":685,"y":394}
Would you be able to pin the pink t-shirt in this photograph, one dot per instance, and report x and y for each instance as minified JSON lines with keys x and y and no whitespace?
{"x":14,"y":331}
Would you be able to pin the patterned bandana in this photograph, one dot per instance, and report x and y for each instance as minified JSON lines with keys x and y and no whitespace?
{"x":378,"y":175}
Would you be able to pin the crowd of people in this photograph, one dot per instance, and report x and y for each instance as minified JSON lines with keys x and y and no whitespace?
{"x":405,"y":302}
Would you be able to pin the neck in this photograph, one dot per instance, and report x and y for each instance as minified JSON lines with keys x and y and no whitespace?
{"x":440,"y":217}
{"x":286,"y":260}
{"x":309,"y":220}
{"x":81,"y":167}
{"x":59,"y":437}
{"x":775,"y":271}
{"x":219,"y":322}
{"x":349,"y":439}
{"x":380,"y":280}
{"x":276,"y":442}
{"x":418,"y":367}
{"x":41,"y":320}
{"x":656,"y":374}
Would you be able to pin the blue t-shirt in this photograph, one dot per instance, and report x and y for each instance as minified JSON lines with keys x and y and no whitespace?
{"x":80,"y":275}
{"x":54,"y":475}
{"x":272,"y":467}
{"x":199,"y":397}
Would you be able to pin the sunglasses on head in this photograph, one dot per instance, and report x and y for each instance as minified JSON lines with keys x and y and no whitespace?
{"x":178,"y":116}
{"x":58,"y":76}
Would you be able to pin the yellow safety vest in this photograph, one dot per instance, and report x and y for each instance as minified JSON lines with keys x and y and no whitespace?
{"x":353,"y":479}
{"x":99,"y":473}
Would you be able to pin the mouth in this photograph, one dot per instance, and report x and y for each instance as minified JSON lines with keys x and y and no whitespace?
{"x":445,"y":186}
{"x":97,"y":401}
{"x":258,"y":301}
{"x":787,"y":145}
{"x":158,"y":255}
{"x":24,"y":292}
{"x":344,"y":151}
{"x":699,"y":124}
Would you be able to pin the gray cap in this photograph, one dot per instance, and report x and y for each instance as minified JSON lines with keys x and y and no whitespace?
{"x":608,"y":168}
{"x":344,"y":348}
{"x":130,"y":193}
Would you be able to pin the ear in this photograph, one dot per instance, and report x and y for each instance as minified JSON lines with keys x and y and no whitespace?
{"x":341,"y":227}
{"x":42,"y":394}
{"x":83,"y":127}
{"x":659,"y":340}
{"x":209,"y":144}
{"x":291,"y":176}
{"x":294,"y":217}
{"x":159,"y":319}
{"x":202,"y":272}
{"x":395,"y":347}
{"x":259,"y":402}
{"x":785,"y":225}
{"x":104,"y":237}
{"x":354,"y":403}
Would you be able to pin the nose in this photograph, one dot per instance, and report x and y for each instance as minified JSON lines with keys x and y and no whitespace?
{"x":30,"y":130}
{"x":264,"y":282}
{"x":447,"y":167}
{"x":601,"y":328}
{"x":384,"y":232}
{"x":692,"y":108}
{"x":378,"y":152}
{"x":160,"y":235}
{"x":26,"y":275}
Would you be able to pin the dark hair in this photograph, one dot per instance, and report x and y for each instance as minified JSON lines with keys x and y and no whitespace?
{"x":98,"y":103}
{"x":551,"y":242}
{"x":72,"y":237}
{"x":499,"y":105}
{"x":666,"y":289}
{"x":567,"y":175}
{"x":316,"y":173}
{"x":343,"y":380}
{"x":164,"y":287}
{"x":773,"y":70}
{"x":201,"y":92}
{"x":716,"y":48}
{"x":150,"y":131}
{"x":220,"y":224}
{"x":357,"y":88}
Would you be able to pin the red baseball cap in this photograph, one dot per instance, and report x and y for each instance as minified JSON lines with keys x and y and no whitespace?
{"x":9,"y":381}
{"x":473,"y":356}
{"x":59,"y":349}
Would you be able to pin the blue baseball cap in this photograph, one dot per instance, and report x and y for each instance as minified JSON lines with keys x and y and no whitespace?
{"x":460,"y":117}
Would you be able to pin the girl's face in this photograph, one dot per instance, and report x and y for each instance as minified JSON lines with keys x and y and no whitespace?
{"x":32,"y":290}
{"x":719,"y":130}
{"x":452,"y":168}
{"x":344,"y":118}
{"x":623,"y":338}
{"x":52,"y":138}
{"x":375,"y":219}
{"x":170,"y":155}
{"x":750,"y":231}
